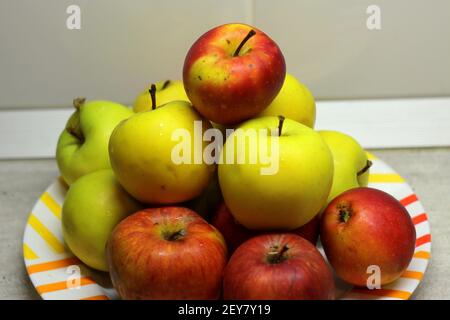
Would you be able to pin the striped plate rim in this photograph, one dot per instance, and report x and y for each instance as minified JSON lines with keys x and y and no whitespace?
{"x":51,"y":266}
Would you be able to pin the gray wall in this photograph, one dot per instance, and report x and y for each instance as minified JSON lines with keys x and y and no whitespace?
{"x":123,"y":45}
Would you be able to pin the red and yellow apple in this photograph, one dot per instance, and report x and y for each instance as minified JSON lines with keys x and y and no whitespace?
{"x":166,"y":253}
{"x":277,"y":266}
{"x":366,"y":227}
{"x":233,"y":72}
{"x":235,"y":234}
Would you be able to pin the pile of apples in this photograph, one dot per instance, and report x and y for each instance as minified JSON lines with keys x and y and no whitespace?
{"x":166,"y":230}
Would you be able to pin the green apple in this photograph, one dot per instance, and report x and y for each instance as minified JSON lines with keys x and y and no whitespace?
{"x":83,"y":145}
{"x":166,"y":91}
{"x":294,"y":101}
{"x":93,"y":206}
{"x":351,"y":166}
{"x":141,"y":152}
{"x":286,"y":198}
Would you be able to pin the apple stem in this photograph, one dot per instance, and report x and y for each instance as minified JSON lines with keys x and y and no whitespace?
{"x":174,"y":236}
{"x":277,"y":255}
{"x":152,"y":92}
{"x":345,"y":212}
{"x":250,"y":34}
{"x":367,"y":167}
{"x":78,"y":102}
{"x":280,"y":124}
{"x":166,"y":84}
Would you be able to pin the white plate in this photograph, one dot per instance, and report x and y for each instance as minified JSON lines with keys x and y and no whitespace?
{"x":57,"y":274}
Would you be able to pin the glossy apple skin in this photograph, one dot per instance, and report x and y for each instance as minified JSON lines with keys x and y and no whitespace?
{"x":379,"y":232}
{"x":227,"y":89}
{"x":303,"y":274}
{"x":144,"y":265}
{"x":235,"y":234}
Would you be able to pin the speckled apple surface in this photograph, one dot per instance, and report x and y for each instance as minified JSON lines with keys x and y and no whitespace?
{"x":57,"y":274}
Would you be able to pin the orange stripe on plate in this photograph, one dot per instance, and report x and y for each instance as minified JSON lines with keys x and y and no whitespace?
{"x":420,"y":218}
{"x":52,"y":265}
{"x":412,"y":275}
{"x":96,"y":298}
{"x":408,"y":200}
{"x":423,"y":239}
{"x":422,"y":255}
{"x":56,"y":286}
{"x":384,"y":293}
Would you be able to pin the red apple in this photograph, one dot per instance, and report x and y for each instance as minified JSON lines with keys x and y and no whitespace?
{"x":166,"y":253}
{"x":365,"y":227}
{"x":233,"y":72}
{"x":277,"y":266}
{"x":235,"y":234}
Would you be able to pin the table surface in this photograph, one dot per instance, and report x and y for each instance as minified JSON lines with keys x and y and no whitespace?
{"x":426,"y":170}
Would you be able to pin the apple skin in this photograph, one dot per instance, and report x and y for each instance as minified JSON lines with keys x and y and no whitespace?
{"x":166,"y":91}
{"x":294,"y":101}
{"x":300,"y":274}
{"x":292,"y":196}
{"x":166,"y":253}
{"x":207,"y":203}
{"x":83,"y":144}
{"x":93,"y":206}
{"x":236,"y":234}
{"x":379,"y":231}
{"x":349,"y":160}
{"x":140,"y":150}
{"x":227,"y":89}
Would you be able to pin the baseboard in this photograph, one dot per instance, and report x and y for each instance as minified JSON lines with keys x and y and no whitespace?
{"x":390,"y":123}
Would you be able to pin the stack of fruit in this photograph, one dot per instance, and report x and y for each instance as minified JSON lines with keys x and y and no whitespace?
{"x":171,"y":229}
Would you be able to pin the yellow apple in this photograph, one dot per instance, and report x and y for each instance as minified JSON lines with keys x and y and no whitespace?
{"x":288,"y":197}
{"x":141,"y":149}
{"x":93,"y":206}
{"x":351,"y":166}
{"x":294,"y":101}
{"x":166,"y":91}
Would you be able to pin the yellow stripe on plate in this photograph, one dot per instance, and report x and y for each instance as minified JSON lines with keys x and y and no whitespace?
{"x":54,"y":207}
{"x":371,"y":156}
{"x":45,"y":234}
{"x":385,"y":177}
{"x":28,"y":253}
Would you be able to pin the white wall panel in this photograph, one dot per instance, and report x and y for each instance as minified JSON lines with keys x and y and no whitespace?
{"x":122,"y":46}
{"x":328,"y":45}
{"x":393,"y":123}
